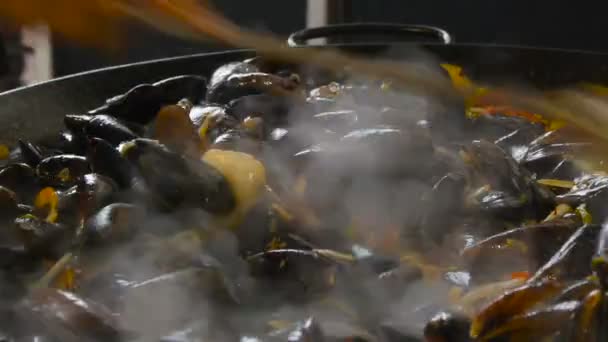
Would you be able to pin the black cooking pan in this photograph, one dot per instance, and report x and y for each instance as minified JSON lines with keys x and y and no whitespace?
{"x":37,"y":110}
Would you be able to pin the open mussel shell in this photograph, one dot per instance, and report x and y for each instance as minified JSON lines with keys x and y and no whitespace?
{"x":179,"y":181}
{"x":513,"y":194}
{"x":62,"y":170}
{"x":68,"y":317}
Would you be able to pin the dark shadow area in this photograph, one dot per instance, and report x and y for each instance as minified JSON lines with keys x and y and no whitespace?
{"x":560,"y":24}
{"x":277,"y":16}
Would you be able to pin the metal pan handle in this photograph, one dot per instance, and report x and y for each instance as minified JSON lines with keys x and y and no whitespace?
{"x":403,"y":31}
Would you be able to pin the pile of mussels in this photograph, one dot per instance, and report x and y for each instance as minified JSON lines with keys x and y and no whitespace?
{"x":271,"y":205}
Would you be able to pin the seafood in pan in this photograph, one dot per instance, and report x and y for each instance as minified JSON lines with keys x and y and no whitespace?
{"x":261,"y":203}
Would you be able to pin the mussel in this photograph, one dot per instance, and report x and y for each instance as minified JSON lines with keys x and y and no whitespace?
{"x":106,"y":160}
{"x":238,"y":85}
{"x":115,"y":222}
{"x":191,"y":87}
{"x":62,"y":170}
{"x":224,"y":71}
{"x":448,"y":327}
{"x":42,"y":238}
{"x":30,"y":153}
{"x":591,"y":190}
{"x":68,"y":317}
{"x":108,"y":128}
{"x":140,"y":104}
{"x":512,"y":191}
{"x":177,"y":180}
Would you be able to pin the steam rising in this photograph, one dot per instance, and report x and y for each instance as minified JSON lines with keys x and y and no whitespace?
{"x":354,"y":152}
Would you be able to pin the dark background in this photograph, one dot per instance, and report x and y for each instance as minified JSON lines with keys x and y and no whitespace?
{"x":278,"y":16}
{"x":568,"y":24}
{"x":563,"y":24}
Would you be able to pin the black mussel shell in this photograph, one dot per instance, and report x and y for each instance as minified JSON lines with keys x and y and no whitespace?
{"x":90,"y":193}
{"x":273,"y":109}
{"x":191,"y":87}
{"x":68,"y":317}
{"x":495,"y":126}
{"x":62,"y":170}
{"x":591,"y":190}
{"x":176,"y":180}
{"x":43,"y":238}
{"x":139,"y":104}
{"x":109,"y":129}
{"x":448,"y":327}
{"x":239,"y":85}
{"x":106,"y":160}
{"x":229,"y":69}
{"x":77,"y":123}
{"x":571,"y":261}
{"x":71,"y":143}
{"x":544,"y":159}
{"x":115,"y":222}
{"x":98,"y":187}
{"x":31,"y":154}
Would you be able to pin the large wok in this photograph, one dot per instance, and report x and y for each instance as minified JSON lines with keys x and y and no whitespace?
{"x":34,"y":111}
